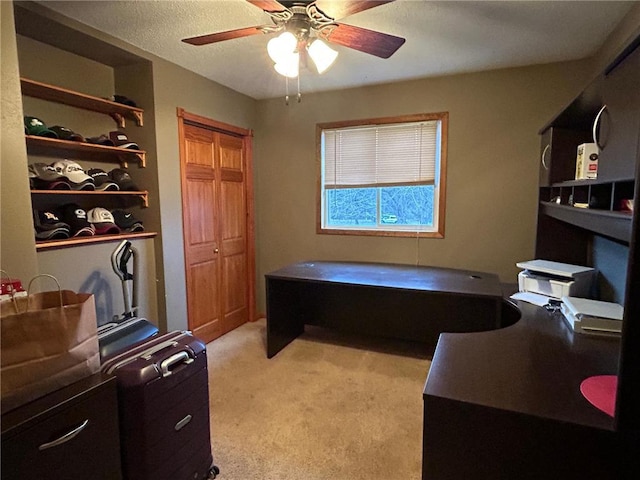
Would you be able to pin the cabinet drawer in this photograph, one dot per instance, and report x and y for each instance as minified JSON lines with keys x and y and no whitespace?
{"x":558,"y":149}
{"x":619,"y":124}
{"x":77,"y":439}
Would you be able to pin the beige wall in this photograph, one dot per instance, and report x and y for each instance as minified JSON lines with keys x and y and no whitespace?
{"x":492,"y":166}
{"x":494,"y":118}
{"x":17,"y":248}
{"x":175,"y":87}
{"x":160,"y":87}
{"x":625,"y":32}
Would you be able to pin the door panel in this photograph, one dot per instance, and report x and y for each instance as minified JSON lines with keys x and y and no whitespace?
{"x":235,"y":298}
{"x":233,"y":236}
{"x":200,"y":232}
{"x":204,"y":313}
{"x":233,"y":214}
{"x":201,"y":197}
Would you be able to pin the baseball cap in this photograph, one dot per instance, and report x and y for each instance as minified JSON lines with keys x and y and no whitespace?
{"x":101,"y":140}
{"x":65,"y":133}
{"x":121,"y":140}
{"x":126,"y":221}
{"x":76,"y":217}
{"x":123,"y":179}
{"x":102,"y":220}
{"x":124,"y":100}
{"x":35,"y":126}
{"x":102,"y":180}
{"x":48,"y":225}
{"x":45,"y":177}
{"x":77,"y":177}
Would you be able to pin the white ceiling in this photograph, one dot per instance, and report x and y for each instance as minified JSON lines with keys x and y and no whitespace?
{"x":442,"y":37}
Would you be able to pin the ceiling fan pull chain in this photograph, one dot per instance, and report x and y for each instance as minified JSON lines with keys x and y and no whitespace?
{"x":299,"y":94}
{"x":286,"y":97}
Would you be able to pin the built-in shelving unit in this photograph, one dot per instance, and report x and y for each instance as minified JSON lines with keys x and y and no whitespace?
{"x":75,"y":241}
{"x":54,"y":147}
{"x":86,"y":151}
{"x":118,"y":111}
{"x":143,"y":195}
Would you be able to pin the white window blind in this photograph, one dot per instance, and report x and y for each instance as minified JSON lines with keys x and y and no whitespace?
{"x":380,"y":155}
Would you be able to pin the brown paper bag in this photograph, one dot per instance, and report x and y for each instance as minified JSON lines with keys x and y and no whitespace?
{"x":48,"y":340}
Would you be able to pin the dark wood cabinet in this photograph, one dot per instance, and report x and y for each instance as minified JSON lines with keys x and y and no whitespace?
{"x":71,"y":433}
{"x":619,"y":123}
{"x":526,"y":418}
{"x":595,"y":222}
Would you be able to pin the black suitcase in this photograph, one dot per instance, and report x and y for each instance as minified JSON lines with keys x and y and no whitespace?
{"x":114,"y":337}
{"x":163,"y":400}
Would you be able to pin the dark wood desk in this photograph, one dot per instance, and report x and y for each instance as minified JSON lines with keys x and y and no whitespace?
{"x":395,"y":301}
{"x":506,"y":404}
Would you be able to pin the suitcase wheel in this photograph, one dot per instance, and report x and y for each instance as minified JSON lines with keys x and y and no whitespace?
{"x":213,"y":472}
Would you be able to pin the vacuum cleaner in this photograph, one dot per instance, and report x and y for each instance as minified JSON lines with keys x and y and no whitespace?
{"x":125,"y":330}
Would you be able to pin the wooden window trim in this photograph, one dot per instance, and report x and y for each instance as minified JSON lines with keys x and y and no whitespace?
{"x":443,"y":117}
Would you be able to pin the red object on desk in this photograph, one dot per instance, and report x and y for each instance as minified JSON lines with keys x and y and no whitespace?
{"x":600,"y":391}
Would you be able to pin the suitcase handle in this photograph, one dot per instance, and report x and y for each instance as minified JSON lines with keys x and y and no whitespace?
{"x":181,"y":357}
{"x":148,"y":354}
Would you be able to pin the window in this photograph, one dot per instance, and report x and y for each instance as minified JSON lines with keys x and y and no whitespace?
{"x":383,"y":176}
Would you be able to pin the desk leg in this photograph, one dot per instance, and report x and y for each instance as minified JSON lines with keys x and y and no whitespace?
{"x":284,"y":320}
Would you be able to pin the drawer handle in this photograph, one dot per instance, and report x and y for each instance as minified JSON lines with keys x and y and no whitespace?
{"x":594,"y":132}
{"x":182,"y":423}
{"x":65,"y":438}
{"x":544,"y":155}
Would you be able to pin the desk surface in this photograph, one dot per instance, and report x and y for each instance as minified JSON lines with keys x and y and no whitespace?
{"x":385,"y":275}
{"x":533,"y":367}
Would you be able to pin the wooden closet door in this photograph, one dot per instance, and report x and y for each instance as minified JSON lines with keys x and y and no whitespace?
{"x":233,"y":231}
{"x":218,"y":225}
{"x":201,"y":232}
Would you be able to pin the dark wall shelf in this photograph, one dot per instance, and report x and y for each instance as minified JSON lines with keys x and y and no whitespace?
{"x":616,"y":225}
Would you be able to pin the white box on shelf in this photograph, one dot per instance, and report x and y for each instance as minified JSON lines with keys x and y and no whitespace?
{"x":587,"y":161}
{"x":555,"y":279}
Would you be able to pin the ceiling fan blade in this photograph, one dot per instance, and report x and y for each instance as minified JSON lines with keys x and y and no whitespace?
{"x":221,"y":36}
{"x":268,"y":5}
{"x":375,"y":43}
{"x":341,"y":8}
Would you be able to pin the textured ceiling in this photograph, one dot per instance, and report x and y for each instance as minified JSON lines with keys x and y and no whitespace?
{"x":442,"y":37}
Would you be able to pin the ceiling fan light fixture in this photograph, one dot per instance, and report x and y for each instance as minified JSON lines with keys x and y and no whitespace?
{"x":322,"y":55}
{"x":288,"y":66}
{"x":282,"y":47}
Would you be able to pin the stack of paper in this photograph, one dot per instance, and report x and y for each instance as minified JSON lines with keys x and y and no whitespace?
{"x":592,"y":316}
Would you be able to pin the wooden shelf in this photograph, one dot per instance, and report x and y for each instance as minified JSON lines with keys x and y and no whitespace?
{"x":144,"y":194}
{"x":74,"y":242}
{"x":616,"y":225}
{"x":117,"y":111}
{"x":85,"y":151}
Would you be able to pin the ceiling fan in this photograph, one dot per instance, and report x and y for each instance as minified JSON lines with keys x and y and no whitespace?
{"x":303,"y":24}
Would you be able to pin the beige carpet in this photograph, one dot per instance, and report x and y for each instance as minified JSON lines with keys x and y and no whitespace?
{"x":328,"y":406}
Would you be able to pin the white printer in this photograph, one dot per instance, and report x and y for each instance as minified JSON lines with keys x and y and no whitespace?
{"x":555,"y":279}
